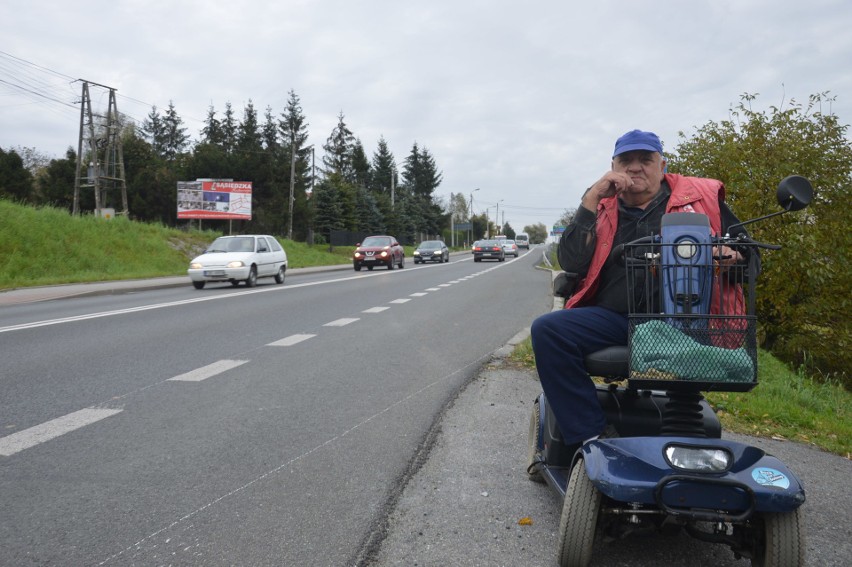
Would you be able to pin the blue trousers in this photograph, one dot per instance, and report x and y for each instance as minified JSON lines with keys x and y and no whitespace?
{"x":561,"y":340}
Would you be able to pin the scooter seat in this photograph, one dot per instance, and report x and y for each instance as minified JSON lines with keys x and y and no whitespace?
{"x":611,"y":362}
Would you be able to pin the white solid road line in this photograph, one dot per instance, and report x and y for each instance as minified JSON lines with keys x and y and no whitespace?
{"x":208,"y":371}
{"x":48,"y":430}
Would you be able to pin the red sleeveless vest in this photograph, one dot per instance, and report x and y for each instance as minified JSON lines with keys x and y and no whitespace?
{"x":689,"y":194}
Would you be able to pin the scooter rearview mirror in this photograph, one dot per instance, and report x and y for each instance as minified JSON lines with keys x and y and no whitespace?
{"x":794,"y":193}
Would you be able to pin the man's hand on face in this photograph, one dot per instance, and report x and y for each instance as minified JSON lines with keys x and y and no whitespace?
{"x":611,"y":184}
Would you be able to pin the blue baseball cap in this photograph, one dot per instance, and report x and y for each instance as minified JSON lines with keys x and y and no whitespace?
{"x":638,"y":140}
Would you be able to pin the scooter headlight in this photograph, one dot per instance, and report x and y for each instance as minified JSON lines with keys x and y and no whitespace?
{"x":698,"y":459}
{"x":686,"y":248}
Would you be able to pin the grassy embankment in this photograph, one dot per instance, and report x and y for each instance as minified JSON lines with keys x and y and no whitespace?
{"x":48,"y":246}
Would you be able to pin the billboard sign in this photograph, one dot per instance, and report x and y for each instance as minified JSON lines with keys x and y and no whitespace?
{"x":208,"y":199}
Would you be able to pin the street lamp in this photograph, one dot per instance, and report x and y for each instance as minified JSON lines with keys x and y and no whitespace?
{"x":497,"y":217}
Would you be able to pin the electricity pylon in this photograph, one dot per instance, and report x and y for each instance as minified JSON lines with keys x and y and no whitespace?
{"x":103,"y":153}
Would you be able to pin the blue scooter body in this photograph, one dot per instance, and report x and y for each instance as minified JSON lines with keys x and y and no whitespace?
{"x":635,"y":469}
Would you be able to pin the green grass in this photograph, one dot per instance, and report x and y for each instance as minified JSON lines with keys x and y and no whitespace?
{"x":784,"y":405}
{"x":48,"y":246}
{"x":789,"y":405}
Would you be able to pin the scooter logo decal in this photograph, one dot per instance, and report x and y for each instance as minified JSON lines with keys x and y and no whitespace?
{"x":770,"y":477}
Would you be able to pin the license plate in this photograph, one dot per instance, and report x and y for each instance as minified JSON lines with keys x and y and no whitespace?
{"x":214,"y":273}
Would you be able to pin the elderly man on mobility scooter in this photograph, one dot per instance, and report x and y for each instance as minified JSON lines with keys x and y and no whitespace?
{"x":665,"y":299}
{"x":627,"y":203}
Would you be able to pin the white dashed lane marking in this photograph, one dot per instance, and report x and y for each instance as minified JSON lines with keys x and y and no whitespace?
{"x":375,"y":309}
{"x":340,"y":322}
{"x":398,"y":301}
{"x":35,"y":435}
{"x":291,"y":340}
{"x":208,"y":371}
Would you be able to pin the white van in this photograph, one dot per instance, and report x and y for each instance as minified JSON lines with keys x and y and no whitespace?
{"x":522,"y":240}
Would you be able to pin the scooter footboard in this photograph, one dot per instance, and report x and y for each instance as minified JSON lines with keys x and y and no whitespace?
{"x":701,"y":479}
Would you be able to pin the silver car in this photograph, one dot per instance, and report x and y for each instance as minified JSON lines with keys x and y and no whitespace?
{"x":510,"y":248}
{"x":238,"y":259}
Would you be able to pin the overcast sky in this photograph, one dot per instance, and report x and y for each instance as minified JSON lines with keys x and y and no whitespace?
{"x":522,"y":100}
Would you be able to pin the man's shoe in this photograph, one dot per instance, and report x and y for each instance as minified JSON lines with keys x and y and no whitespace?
{"x":609,"y":432}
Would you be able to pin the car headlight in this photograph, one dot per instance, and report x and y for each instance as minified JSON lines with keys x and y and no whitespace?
{"x":417,"y":252}
{"x":195,"y":266}
{"x":686,"y":249}
{"x":384,"y":254}
{"x":357,"y":254}
{"x":235,"y":264}
{"x":698,"y":459}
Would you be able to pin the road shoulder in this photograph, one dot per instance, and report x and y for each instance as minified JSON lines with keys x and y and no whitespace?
{"x":470,"y":504}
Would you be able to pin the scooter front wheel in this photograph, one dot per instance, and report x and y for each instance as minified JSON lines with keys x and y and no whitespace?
{"x":784,"y":544}
{"x":579,"y":520}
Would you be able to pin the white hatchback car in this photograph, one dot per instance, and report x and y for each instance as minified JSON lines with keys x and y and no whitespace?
{"x":238,"y":259}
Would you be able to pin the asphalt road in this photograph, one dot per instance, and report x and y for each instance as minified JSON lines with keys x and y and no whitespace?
{"x":418,"y":461}
{"x":265,"y":426}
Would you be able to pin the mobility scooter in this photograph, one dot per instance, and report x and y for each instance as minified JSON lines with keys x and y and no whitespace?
{"x":668,"y":466}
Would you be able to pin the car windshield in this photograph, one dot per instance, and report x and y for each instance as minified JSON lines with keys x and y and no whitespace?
{"x":430,"y":245}
{"x":508,"y":242}
{"x":486,"y":243}
{"x":232,"y":244}
{"x":376,"y":241}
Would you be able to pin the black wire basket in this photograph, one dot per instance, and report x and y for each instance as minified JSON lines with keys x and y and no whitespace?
{"x":691,"y":323}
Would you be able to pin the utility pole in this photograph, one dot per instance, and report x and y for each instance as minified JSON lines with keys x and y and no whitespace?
{"x":393,"y":185}
{"x":470,"y":214}
{"x":105,"y":153}
{"x":292,"y":184}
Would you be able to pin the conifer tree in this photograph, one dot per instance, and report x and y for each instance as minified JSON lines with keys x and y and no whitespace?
{"x":338,"y":151}
{"x":229,"y":130}
{"x":212,"y":132}
{"x":293,"y":128}
{"x":175,"y":138}
{"x":384,"y":173}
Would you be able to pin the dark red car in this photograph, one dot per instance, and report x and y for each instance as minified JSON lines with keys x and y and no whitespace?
{"x":378,"y":251}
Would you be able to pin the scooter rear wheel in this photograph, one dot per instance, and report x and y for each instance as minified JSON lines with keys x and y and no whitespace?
{"x":784,"y":544}
{"x":579,"y":520}
{"x":533,"y":449}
